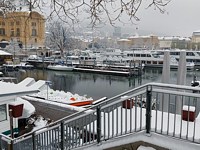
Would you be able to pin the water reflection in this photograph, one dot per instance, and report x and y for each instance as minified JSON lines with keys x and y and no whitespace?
{"x":98,"y":85}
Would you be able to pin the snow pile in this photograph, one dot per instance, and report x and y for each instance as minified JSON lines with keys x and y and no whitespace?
{"x":145,"y":148}
{"x":39,"y":122}
{"x":61,"y":96}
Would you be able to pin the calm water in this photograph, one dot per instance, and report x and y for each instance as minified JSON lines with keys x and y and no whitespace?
{"x":95,"y":85}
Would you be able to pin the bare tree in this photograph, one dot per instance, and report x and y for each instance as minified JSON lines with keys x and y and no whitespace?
{"x":59,"y":36}
{"x":99,"y":11}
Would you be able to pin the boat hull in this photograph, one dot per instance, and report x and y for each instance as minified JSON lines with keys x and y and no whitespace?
{"x":60,"y":68}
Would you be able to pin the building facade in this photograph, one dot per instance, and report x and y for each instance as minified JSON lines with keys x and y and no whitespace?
{"x":195,"y":42}
{"x":26,"y":28}
{"x":174,"y":42}
{"x":148,"y":42}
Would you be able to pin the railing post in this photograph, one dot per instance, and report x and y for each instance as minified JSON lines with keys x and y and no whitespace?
{"x":148,"y":109}
{"x":1,"y":141}
{"x":62,"y":136}
{"x":98,"y":124}
{"x":12,"y":145}
{"x":33,"y":140}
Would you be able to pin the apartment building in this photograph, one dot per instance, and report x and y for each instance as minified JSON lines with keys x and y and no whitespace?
{"x":27,"y":28}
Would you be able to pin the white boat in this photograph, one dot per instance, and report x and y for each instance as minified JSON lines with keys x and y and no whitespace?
{"x":60,"y":67}
{"x":192,"y":56}
{"x":155,"y":59}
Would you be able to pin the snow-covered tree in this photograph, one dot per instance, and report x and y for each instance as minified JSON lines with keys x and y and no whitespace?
{"x":59,"y":36}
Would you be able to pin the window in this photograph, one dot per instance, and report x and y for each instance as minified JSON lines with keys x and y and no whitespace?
{"x":3,"y":115}
{"x":34,"y":24}
{"x":12,"y":32}
{"x":12,"y":23}
{"x":18,"y":32}
{"x":34,"y":32}
{"x":2,"y":23}
{"x":17,"y":23}
{"x":2,"y":31}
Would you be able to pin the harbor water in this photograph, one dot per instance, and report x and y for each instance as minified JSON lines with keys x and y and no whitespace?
{"x":98,"y":85}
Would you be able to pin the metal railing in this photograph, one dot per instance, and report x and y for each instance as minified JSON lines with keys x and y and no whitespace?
{"x":153,"y":107}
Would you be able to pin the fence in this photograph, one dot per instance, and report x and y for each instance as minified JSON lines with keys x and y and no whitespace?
{"x":153,"y":107}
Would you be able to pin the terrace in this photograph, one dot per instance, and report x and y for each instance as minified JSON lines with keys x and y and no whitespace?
{"x":163,"y":115}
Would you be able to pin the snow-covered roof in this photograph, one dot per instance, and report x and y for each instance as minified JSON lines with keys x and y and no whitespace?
{"x":4,"y":53}
{"x":15,"y":89}
{"x":174,"y":38}
{"x":123,"y":40}
{"x":137,"y":36}
{"x":197,"y":31}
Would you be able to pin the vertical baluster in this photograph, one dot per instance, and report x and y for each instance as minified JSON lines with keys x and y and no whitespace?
{"x":112,"y":121}
{"x":141,"y":103}
{"x":109,"y":123}
{"x":70,"y":135}
{"x":117,"y":121}
{"x":90,"y":128}
{"x":76,"y":132}
{"x":83,"y":132}
{"x":188,"y":117}
{"x":135,"y":115}
{"x":156,"y":119}
{"x":62,"y":135}
{"x":175,"y":115}
{"x":162,"y":113}
{"x":104,"y":118}
{"x":168,"y":114}
{"x":93,"y":123}
{"x":121,"y":120}
{"x":181,"y":117}
{"x":86,"y":130}
{"x":126,"y":116}
{"x":67,"y":136}
{"x":79,"y":131}
{"x":33,"y":140}
{"x":99,"y":124}
{"x":194,"y":131}
{"x":148,"y":109}
{"x":131,"y":103}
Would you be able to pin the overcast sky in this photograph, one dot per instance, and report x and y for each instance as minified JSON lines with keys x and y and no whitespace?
{"x":181,"y":18}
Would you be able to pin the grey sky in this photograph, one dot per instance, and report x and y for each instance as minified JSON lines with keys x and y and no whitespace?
{"x":181,"y":18}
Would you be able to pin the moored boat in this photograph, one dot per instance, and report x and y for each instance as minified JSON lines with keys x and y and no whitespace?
{"x":60,"y":67}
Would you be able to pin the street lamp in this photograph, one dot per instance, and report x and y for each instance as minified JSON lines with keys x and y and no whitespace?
{"x":48,"y":83}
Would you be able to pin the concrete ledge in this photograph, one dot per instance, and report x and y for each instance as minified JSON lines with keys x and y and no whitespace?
{"x":155,"y":140}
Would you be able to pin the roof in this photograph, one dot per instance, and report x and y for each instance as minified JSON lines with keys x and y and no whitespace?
{"x":12,"y":89}
{"x":123,"y":40}
{"x":4,"y":53}
{"x":197,"y":31}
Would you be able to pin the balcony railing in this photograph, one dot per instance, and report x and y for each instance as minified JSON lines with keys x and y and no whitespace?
{"x":153,"y":107}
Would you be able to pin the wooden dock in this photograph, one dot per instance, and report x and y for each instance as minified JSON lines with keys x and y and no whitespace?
{"x":110,"y":72}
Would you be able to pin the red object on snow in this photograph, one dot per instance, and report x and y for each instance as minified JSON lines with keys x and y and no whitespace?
{"x":129,"y":103}
{"x":188,"y":114}
{"x":17,"y":110}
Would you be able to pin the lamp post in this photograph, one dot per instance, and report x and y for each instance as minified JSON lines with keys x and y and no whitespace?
{"x":48,"y":83}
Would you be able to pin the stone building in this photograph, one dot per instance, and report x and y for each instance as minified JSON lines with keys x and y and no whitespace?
{"x":27,"y":28}
{"x":174,"y":42}
{"x":147,"y":42}
{"x":195,"y":42}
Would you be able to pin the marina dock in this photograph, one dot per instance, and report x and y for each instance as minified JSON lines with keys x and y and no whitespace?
{"x":110,"y":72}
